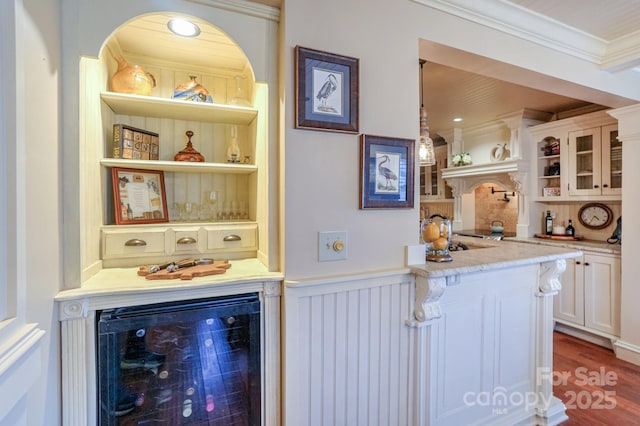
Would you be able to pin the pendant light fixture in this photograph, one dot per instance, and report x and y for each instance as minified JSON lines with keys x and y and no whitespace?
{"x":426,"y":151}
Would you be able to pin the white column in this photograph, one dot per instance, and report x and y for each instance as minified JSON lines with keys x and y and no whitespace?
{"x":78,"y":364}
{"x":457,"y":188}
{"x":427,"y":311}
{"x":271,"y":363}
{"x":548,"y":407}
{"x":628,"y":347}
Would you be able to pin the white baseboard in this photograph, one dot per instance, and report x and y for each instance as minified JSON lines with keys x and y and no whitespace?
{"x":604,"y":341}
{"x":627,"y":352}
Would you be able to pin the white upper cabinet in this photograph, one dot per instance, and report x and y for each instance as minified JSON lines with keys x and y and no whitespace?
{"x":577,"y":159}
{"x":595,"y":161}
{"x":611,"y":161}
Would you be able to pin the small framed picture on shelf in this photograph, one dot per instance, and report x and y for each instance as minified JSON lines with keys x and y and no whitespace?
{"x":139,"y":196}
{"x":326,"y":91}
{"x":386,"y":172}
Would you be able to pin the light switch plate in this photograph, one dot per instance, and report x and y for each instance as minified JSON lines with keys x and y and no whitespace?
{"x":332,"y":245}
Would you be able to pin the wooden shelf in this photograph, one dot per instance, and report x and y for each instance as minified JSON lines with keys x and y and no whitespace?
{"x":149,"y":106}
{"x":549,"y":157}
{"x":180,"y":166}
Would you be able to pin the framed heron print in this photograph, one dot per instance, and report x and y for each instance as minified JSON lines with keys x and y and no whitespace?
{"x":326,"y":91}
{"x":386,"y":172}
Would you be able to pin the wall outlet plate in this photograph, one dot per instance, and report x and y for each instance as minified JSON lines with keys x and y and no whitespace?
{"x":332,"y":245}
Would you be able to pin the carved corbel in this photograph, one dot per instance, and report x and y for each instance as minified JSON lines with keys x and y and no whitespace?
{"x":428,"y":294}
{"x":518,"y":179}
{"x":457,"y":186}
{"x":549,"y":274}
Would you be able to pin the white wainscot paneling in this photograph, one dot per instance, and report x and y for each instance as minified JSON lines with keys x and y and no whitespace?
{"x":20,"y":367}
{"x":348,"y":358}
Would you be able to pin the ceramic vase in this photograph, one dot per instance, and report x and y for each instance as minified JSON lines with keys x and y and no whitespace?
{"x":132,"y":79}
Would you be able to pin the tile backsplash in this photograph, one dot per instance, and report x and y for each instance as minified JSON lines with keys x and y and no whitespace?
{"x":564,"y":212}
{"x":493,"y":207}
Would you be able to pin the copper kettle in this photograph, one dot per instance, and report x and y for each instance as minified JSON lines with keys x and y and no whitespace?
{"x":132,"y":79}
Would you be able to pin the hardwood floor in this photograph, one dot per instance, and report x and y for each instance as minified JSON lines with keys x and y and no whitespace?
{"x":596,"y":387}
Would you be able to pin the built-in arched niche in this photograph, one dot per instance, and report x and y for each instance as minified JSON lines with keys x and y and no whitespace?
{"x":236,"y":115}
{"x":221,"y":69}
{"x":213,"y":57}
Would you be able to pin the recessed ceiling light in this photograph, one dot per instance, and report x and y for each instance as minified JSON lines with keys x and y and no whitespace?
{"x":183,"y":28}
{"x":457,"y":119}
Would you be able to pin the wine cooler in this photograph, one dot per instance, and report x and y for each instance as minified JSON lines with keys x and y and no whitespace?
{"x":187,"y":363}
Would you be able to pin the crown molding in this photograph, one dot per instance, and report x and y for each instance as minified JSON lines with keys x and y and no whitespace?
{"x":613,"y":56}
{"x":246,"y":7}
{"x":623,"y":53}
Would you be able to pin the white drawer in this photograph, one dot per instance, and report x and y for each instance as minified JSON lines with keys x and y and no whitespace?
{"x":189,"y":240}
{"x":232,"y":237}
{"x":117,"y":243}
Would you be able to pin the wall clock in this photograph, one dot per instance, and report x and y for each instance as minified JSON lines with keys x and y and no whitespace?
{"x":595,"y":215}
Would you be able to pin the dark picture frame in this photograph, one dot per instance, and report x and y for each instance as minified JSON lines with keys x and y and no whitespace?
{"x":139,"y":196}
{"x":327,"y":94}
{"x":387,"y":169}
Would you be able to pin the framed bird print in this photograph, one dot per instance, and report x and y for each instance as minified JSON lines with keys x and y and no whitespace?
{"x":386,"y":172}
{"x":326,"y":91}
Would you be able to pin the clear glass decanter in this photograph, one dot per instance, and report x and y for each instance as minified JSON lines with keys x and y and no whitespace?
{"x":240,"y":98}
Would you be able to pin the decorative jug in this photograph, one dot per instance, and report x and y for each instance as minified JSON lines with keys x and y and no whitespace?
{"x":192,"y":91}
{"x":132,"y":79}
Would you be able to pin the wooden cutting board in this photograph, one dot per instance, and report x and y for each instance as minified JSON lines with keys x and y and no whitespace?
{"x":215,"y":268}
{"x":558,"y":237}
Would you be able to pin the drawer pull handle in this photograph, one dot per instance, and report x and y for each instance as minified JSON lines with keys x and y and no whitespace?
{"x":186,"y":240}
{"x":135,"y":243}
{"x":232,"y":237}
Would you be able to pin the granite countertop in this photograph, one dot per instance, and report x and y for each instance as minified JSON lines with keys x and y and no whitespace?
{"x":485,"y":255}
{"x":588,"y":245}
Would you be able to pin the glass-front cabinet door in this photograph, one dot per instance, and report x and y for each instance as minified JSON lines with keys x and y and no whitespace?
{"x":595,"y":161}
{"x":611,"y":161}
{"x":432,"y":186}
{"x":584,"y":162}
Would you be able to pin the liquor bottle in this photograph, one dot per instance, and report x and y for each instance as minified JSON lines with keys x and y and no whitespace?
{"x":129,"y":212}
{"x":123,"y":211}
{"x":570,"y":231}
{"x":548,"y":220}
